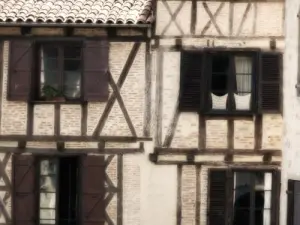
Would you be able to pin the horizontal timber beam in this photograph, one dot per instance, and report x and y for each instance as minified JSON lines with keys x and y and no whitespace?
{"x":118,"y":38}
{"x":44,"y":138}
{"x":69,"y":151}
{"x":196,"y":151}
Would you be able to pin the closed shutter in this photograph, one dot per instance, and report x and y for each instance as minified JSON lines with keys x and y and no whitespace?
{"x":217,"y":197}
{"x":93,"y":174}
{"x":293,"y":218}
{"x":270,"y":82}
{"x":190,"y":81}
{"x":20,"y":69}
{"x":96,"y":70}
{"x":24,"y":202}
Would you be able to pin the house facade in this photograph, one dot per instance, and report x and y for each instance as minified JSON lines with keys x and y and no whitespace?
{"x":218,"y":119}
{"x":289,"y":213}
{"x":140,"y":112}
{"x":74,"y":115}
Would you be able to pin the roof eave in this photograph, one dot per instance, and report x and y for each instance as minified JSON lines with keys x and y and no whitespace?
{"x":78,"y":25}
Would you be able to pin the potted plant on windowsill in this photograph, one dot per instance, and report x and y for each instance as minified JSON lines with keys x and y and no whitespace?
{"x":52,"y":94}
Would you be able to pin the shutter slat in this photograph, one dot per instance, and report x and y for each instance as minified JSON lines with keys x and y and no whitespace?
{"x":20,"y":69}
{"x":95,"y":70}
{"x":270,"y":79}
{"x":190,"y":84}
{"x":217,"y":198}
{"x":93,"y":191}
{"x":24,"y":203}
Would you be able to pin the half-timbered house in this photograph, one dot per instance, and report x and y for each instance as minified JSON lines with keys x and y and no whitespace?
{"x":74,"y":110}
{"x":218,"y":120}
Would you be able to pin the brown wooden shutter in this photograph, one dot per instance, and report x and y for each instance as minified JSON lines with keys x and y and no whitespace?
{"x":20,"y":69}
{"x":95,"y":70}
{"x":24,"y":202}
{"x":293,"y":205}
{"x":93,"y":175}
{"x":276,"y":184}
{"x":190,"y":81}
{"x":217,"y":197}
{"x":270,"y":82}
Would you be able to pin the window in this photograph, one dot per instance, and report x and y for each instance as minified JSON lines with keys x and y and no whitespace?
{"x":252,"y":198}
{"x":60,"y":71}
{"x":243,"y":197}
{"x":67,"y":190}
{"x":230,"y":82}
{"x":58,"y":191}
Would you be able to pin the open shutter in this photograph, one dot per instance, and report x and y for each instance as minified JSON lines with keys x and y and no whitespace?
{"x":217,"y":197}
{"x":93,"y":175}
{"x":24,"y":202}
{"x":95,"y":70}
{"x":276,"y":184}
{"x":190,"y":81}
{"x":20,"y":69}
{"x":270,"y":82}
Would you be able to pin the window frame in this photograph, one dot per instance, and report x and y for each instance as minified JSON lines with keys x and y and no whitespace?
{"x":207,"y":79}
{"x":229,"y":186}
{"x":60,"y":45}
{"x":38,"y":160}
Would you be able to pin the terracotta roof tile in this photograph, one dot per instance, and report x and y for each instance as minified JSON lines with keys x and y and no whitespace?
{"x":77,"y":11}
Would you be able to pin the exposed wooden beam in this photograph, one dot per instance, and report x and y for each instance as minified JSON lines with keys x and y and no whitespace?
{"x":69,"y":151}
{"x":65,"y":138}
{"x":196,"y":151}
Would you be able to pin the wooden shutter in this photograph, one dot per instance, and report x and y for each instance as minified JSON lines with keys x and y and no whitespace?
{"x":190,"y":81}
{"x":276,"y":184}
{"x":95,"y":70}
{"x":270,"y":82}
{"x":93,"y":174}
{"x":293,"y":205}
{"x":217,"y":197}
{"x":24,"y":202}
{"x":20,"y":69}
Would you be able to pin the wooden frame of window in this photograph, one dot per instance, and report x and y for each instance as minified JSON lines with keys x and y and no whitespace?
{"x":38,"y":160}
{"x":207,"y":80}
{"x":59,"y":45}
{"x":195,"y":80}
{"x":228,"y":207}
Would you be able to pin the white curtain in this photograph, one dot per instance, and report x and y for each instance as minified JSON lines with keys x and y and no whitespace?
{"x":267,"y":198}
{"x":243,"y":70}
{"x":48,"y":179}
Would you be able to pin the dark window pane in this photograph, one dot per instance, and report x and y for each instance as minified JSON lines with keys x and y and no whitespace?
{"x":220,"y":67}
{"x":261,"y":216}
{"x":72,"y":78}
{"x":72,"y":52}
{"x":241,"y":217}
{"x":50,"y":51}
{"x":242,"y":189}
{"x":72,"y":65}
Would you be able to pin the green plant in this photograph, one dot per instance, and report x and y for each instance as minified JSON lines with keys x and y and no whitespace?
{"x":51,"y":92}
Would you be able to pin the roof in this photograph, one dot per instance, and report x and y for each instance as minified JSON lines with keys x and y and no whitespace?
{"x":77,"y":11}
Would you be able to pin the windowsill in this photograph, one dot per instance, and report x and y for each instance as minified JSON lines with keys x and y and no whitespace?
{"x":226,"y":113}
{"x":58,"y":102}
